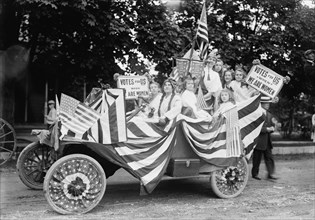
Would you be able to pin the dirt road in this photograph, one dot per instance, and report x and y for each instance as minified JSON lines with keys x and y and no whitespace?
{"x":291,"y":197}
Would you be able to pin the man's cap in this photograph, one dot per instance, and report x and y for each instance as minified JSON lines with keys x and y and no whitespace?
{"x":51,"y":102}
{"x":308,"y":52}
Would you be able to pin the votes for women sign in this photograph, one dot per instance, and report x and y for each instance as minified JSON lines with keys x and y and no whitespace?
{"x":134,"y":85}
{"x":265,"y":80}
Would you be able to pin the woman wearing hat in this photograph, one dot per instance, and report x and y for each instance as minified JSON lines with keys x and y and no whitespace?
{"x":52,"y":115}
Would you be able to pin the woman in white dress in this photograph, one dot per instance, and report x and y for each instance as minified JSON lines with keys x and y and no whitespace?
{"x":170,"y":104}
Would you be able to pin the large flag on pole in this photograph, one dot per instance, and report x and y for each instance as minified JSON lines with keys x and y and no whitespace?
{"x":202,"y":33}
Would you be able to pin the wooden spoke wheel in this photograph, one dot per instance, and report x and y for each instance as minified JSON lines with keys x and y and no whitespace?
{"x":231,"y":181}
{"x":33,"y":164}
{"x":7,"y":141}
{"x":74,"y":184}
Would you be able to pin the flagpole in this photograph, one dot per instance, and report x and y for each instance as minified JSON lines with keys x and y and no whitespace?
{"x":191,"y":54}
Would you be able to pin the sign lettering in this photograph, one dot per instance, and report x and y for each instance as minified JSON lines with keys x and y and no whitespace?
{"x":265,"y":80}
{"x":134,"y":86}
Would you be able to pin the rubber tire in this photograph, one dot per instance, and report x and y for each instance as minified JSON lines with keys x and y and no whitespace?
{"x":59,"y":163}
{"x":20,"y":166}
{"x":2,"y":121}
{"x":220,"y":194}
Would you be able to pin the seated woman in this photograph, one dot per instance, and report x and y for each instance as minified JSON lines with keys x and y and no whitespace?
{"x":170,"y":103}
{"x":189,"y":101}
{"x":163,"y":107}
{"x":153,"y":100}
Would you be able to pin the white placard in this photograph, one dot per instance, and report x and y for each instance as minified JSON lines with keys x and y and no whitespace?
{"x":265,"y":80}
{"x":134,"y":86}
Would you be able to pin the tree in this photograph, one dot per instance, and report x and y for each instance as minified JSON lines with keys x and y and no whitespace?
{"x":84,"y":40}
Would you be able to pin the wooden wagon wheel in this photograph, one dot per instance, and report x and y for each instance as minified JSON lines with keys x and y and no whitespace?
{"x":74,"y":184}
{"x":33,"y":164}
{"x":231,"y":181}
{"x":7,"y":141}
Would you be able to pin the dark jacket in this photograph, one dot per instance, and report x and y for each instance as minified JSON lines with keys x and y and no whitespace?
{"x":264,"y":139}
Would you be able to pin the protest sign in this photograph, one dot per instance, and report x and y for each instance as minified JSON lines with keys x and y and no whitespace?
{"x":196,"y":68}
{"x":134,"y":86}
{"x":265,"y":80}
{"x":182,"y":65}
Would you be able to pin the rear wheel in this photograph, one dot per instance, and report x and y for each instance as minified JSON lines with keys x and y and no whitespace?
{"x":33,"y":164}
{"x":231,"y":181}
{"x":74,"y":184}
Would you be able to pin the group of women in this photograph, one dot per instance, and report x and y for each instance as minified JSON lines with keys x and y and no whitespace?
{"x":221,"y":89}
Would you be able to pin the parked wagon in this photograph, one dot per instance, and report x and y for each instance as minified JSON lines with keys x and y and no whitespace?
{"x":7,"y":141}
{"x":73,"y":174}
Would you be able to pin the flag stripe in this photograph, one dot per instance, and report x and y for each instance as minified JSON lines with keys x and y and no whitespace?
{"x":113,"y":120}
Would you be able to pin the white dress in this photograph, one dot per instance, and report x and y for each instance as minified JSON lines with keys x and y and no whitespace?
{"x":175,"y":107}
{"x":212,"y":80}
{"x":189,"y":99}
{"x":241,"y":93}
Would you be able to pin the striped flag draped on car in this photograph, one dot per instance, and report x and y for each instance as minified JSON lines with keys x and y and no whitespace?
{"x":148,"y":150}
{"x":76,"y":118}
{"x":111,"y":126}
{"x":210,"y":141}
{"x":202,"y":33}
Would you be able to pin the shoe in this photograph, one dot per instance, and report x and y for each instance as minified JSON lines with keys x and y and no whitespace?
{"x":256,"y":177}
{"x":272,"y":177}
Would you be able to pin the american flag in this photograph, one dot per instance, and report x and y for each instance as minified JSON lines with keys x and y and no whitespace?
{"x":75,"y":116}
{"x":202,"y":33}
{"x":201,"y":102}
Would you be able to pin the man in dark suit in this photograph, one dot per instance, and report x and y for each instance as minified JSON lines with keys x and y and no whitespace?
{"x":264,"y":144}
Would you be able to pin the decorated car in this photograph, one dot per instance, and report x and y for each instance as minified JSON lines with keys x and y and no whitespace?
{"x":95,"y":138}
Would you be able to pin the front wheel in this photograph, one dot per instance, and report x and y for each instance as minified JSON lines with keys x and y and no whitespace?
{"x":33,"y":164}
{"x":231,"y":181}
{"x":74,"y":184}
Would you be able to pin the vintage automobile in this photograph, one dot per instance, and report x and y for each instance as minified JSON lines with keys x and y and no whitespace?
{"x":73,"y":170}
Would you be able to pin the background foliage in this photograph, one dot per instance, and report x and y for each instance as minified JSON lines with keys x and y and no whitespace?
{"x":84,"y":40}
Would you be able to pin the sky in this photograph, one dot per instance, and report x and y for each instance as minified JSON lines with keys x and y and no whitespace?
{"x":310,"y":3}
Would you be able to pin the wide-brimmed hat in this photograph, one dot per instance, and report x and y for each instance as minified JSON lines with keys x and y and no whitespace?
{"x":51,"y":102}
